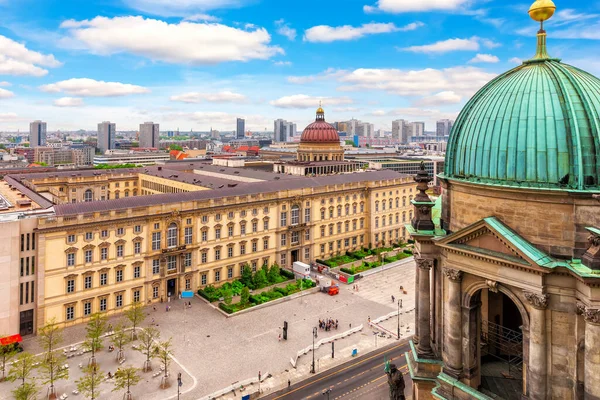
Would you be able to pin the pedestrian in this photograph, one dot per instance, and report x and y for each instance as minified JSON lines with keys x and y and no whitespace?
{"x":393,"y":299}
{"x":154,"y":307}
{"x":152,"y":321}
{"x":167,"y":308}
{"x":289,"y":383}
{"x":280,"y":337}
{"x":369,"y":319}
{"x":161,"y":299}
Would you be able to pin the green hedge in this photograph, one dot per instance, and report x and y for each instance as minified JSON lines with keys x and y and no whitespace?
{"x":212,"y":293}
{"x":269,"y":295}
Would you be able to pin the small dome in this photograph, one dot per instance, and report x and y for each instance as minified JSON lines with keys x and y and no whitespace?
{"x":320,"y":131}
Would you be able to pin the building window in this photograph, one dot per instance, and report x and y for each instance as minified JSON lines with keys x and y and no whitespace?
{"x":322,"y":248}
{"x":229,"y":272}
{"x":87,"y":308}
{"x":188,"y":284}
{"x":283,"y":259}
{"x":339,"y":227}
{"x":346,"y":242}
{"x":322,"y":213}
{"x":156,"y":225}
{"x":383,"y":205}
{"x":230,"y":231}
{"x":187,"y":260}
{"x":266,"y":225}
{"x":217,"y":233}
{"x":242,"y":229}
{"x":339,"y":244}
{"x":87,"y":282}
{"x":204,"y":235}
{"x":354,"y":208}
{"x":217,"y":254}
{"x":137,"y":228}
{"x":88,"y":196}
{"x":70,"y":313}
{"x":354,"y":241}
{"x":70,"y":239}
{"x":339,"y":211}
{"x":307,"y":254}
{"x":88,"y":256}
{"x":347,"y":226}
{"x":254,"y":247}
{"x":118,"y":300}
{"x":284,"y":218}
{"x":155,"y":292}
{"x":155,"y":240}
{"x":120,"y":231}
{"x":255,"y":227}
{"x":204,"y":219}
{"x":307,"y":234}
{"x":307,"y":215}
{"x":377,"y":237}
{"x":172,"y":235}
{"x":104,"y":234}
{"x":242,"y":248}
{"x":171,"y":263}
{"x":119,"y":250}
{"x":119,"y":275}
{"x":70,"y":259}
{"x":155,"y":267}
{"x":347,"y":209}
{"x":103,"y":278}
{"x":217,"y":276}
{"x":230,"y":214}
{"x":354,"y":225}
{"x":283,"y":239}
{"x":266,"y":210}
{"x":218,"y":217}
{"x":136,"y":271}
{"x":89,"y":236}
{"x":103,"y":253}
{"x":137,"y":247}
{"x":203,"y":257}
{"x":330,"y":246}
{"x":136,"y":296}
{"x":203,"y":279}
{"x":230,"y":251}
{"x":103,"y":305}
{"x":265,"y":244}
{"x":254,"y":266}
{"x":70,"y":285}
{"x":295,"y":215}
{"x":188,"y":221}
{"x":362,"y":223}
{"x":188,"y":235}
{"x":322,"y":231}
{"x":295,"y":237}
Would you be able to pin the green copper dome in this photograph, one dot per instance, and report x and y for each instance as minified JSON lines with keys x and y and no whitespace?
{"x":537,"y":125}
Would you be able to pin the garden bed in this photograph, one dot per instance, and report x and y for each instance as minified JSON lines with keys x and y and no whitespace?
{"x":365,"y":266}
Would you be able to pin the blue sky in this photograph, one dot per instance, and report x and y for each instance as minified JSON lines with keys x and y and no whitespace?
{"x":196,"y":64}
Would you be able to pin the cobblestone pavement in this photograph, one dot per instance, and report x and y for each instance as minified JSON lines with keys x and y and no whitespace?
{"x":219,"y":351}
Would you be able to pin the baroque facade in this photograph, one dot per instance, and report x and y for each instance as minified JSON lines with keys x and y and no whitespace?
{"x":508,"y":291}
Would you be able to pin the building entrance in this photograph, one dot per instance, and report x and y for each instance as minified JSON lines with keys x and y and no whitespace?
{"x":26,"y":322}
{"x":171,"y":287}
{"x":295,"y":256}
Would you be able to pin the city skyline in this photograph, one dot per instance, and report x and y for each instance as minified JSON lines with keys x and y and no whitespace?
{"x":384,"y":61}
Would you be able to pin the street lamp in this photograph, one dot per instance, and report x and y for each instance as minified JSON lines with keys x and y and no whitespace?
{"x":326,"y":392}
{"x":179,"y":384}
{"x":312,"y":371}
{"x":399,"y":306}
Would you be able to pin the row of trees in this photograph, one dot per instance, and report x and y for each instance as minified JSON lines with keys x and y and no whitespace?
{"x":50,"y":365}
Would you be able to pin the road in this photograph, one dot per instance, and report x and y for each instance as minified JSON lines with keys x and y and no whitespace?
{"x":361,"y":378}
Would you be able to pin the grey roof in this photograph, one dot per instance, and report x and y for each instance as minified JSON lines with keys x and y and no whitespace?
{"x":240,"y":190}
{"x":189,"y":177}
{"x":38,"y":198}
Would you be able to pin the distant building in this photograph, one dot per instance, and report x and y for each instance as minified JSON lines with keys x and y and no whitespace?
{"x":106,"y":136}
{"x":417,"y":129}
{"x":149,"y":135}
{"x":37,"y":133}
{"x":240,"y":128}
{"x":131,"y":157}
{"x":443,"y":127}
{"x":284,"y":131}
{"x":54,"y":156}
{"x":401,"y":130}
{"x":365,"y":129}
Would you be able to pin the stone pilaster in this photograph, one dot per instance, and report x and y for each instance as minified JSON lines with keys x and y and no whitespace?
{"x":416,"y":335}
{"x":424,"y":348}
{"x":452,"y":353}
{"x":537,"y":375}
{"x":592,"y":353}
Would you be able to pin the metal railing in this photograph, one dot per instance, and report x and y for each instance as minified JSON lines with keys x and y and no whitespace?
{"x":502,"y":343}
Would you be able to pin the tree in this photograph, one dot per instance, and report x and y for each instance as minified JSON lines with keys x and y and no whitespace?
{"x":245,"y":296}
{"x":135,"y":315}
{"x":227,"y":296}
{"x":28,"y":391}
{"x":6,"y":354}
{"x":274,"y":273}
{"x":260,"y":279}
{"x":175,"y":147}
{"x":119,"y":339}
{"x":51,"y":366}
{"x":125,"y":378}
{"x":95,"y":328}
{"x":164,"y":351}
{"x":265,"y":269}
{"x":246,"y":278}
{"x":147,"y":339}
{"x":21,"y":369}
{"x":89,"y":384}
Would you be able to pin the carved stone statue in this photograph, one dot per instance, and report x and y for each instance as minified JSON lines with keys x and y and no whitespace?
{"x":396,"y":383}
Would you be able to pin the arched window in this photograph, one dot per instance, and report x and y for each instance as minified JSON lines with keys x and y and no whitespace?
{"x":295,"y":214}
{"x":376,"y":206}
{"x":88,"y":195}
{"x":383,"y":203}
{"x":403,"y":201}
{"x":172,"y":235}
{"x":397,"y":202}
{"x":391,"y":204}
{"x":377,"y":222}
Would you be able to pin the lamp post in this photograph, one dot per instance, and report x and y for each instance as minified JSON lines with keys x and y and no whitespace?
{"x":399,"y":302}
{"x":312,"y":371}
{"x":326,"y":392}
{"x":179,"y":384}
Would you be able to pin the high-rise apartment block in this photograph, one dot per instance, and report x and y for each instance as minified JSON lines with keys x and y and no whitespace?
{"x":37,"y":134}
{"x":417,"y":129}
{"x":283,"y":130}
{"x":240,"y":128}
{"x":149,"y":135}
{"x":365,"y":129}
{"x":401,"y":130}
{"x":106,"y":136}
{"x":444,"y":126}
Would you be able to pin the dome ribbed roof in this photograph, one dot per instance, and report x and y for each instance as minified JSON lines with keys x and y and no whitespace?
{"x":320,"y":131}
{"x":537,"y":125}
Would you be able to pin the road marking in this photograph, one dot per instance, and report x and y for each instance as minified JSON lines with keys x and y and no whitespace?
{"x":343,"y":369}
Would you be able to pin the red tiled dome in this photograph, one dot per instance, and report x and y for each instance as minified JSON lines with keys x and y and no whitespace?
{"x":320,"y":131}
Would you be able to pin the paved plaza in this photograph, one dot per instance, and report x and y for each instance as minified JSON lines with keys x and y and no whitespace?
{"x":213,"y":351}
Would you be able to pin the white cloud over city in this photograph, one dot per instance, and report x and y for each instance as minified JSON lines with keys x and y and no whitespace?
{"x":17,"y":59}
{"x":68,"y":102}
{"x":217,"y":97}
{"x":403,"y":6}
{"x":326,"y":33}
{"x":86,"y":87}
{"x":305,"y":101}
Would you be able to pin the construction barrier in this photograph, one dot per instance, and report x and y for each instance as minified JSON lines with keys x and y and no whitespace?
{"x":231,"y":388}
{"x":323,"y":341}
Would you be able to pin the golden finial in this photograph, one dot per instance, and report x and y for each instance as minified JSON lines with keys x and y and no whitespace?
{"x":542,"y":10}
{"x":320,"y":109}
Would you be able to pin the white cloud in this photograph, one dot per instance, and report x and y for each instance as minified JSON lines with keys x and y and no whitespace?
{"x":412,"y":26}
{"x":442,"y":98}
{"x":219,"y":97}
{"x":86,"y":87}
{"x":8,"y":117}
{"x":329,"y":73}
{"x":283,"y":63}
{"x":179,"y":8}
{"x":345,"y":109}
{"x":202,"y":17}
{"x":490,"y":44}
{"x":413,"y":112}
{"x":378,"y":113}
{"x":183,"y":42}
{"x":69,"y":102}
{"x":5,"y":94}
{"x":515,"y":60}
{"x":484,"y":58}
{"x":16,"y":59}
{"x":5,"y":84}
{"x":445,"y":46}
{"x":285,"y":30}
{"x":304,"y":101}
{"x":401,"y":6}
{"x":326,"y":33}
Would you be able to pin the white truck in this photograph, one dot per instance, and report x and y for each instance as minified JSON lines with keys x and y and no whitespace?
{"x":301,"y":270}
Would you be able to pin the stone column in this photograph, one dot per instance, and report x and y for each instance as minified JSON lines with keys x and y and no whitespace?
{"x":537,"y":345}
{"x":592,"y":353}
{"x":452,"y":353}
{"x":424,"y":347}
{"x":416,"y":335}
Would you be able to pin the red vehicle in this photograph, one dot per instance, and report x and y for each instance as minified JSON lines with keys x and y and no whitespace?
{"x":333,"y":290}
{"x":14,"y":341}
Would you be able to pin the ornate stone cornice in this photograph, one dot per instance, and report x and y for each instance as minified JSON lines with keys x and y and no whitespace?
{"x":424,"y":263}
{"x":538,"y":300}
{"x":453,"y":274}
{"x":592,"y":315}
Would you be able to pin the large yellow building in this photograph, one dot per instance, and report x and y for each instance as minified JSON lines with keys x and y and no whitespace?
{"x":104,"y":239}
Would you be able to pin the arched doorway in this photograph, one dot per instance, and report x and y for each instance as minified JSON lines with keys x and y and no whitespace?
{"x":496,"y":326}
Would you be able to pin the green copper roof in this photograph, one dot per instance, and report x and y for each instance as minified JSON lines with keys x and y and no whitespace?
{"x":537,"y":125}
